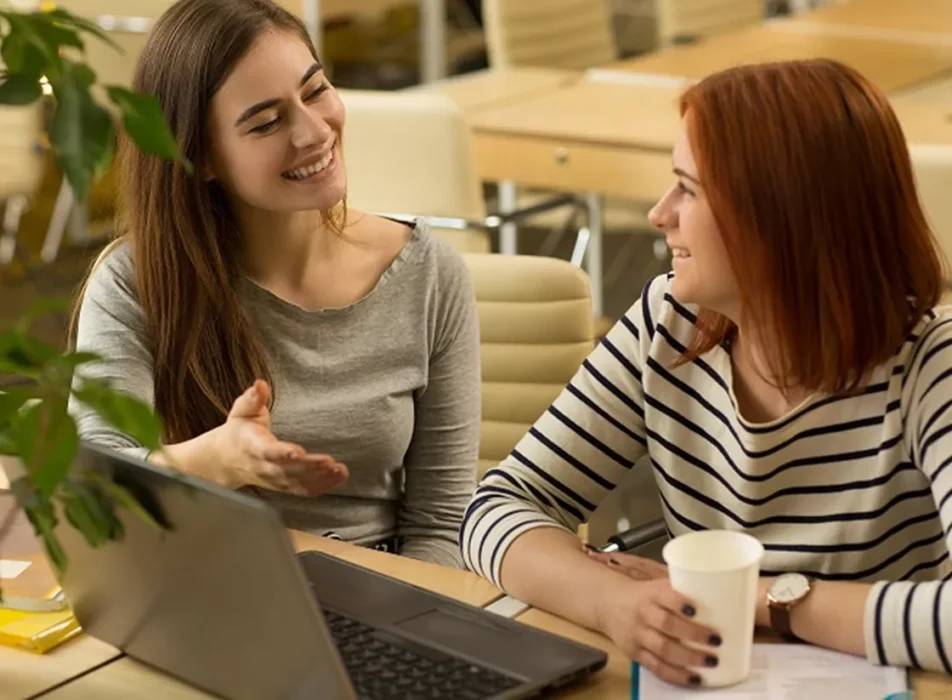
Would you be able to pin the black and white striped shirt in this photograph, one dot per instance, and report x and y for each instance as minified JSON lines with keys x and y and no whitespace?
{"x":842,"y":488}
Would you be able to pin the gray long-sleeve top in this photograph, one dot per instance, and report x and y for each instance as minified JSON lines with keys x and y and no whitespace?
{"x":388,"y":385}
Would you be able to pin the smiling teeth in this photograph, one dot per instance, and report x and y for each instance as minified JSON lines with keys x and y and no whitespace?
{"x":680,"y":253}
{"x":314,"y":168}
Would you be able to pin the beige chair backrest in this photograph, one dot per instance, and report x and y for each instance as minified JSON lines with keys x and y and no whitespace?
{"x":700,"y":18}
{"x":21,"y":160}
{"x":933,"y":168}
{"x":571,"y":34}
{"x":536,"y":327}
{"x":411,"y":153}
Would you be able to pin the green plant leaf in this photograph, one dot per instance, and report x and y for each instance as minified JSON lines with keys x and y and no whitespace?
{"x":88,"y":508}
{"x":20,"y":89}
{"x":14,"y":50}
{"x":23,"y":354}
{"x":44,"y":31}
{"x":75,"y":359}
{"x":42,"y":516}
{"x":47,"y":439}
{"x":124,"y":412}
{"x":12,"y":400}
{"x":82,"y":73}
{"x":145,"y":123}
{"x":8,"y":444}
{"x":81,"y":130}
{"x":34,"y":49}
{"x":64,"y":17}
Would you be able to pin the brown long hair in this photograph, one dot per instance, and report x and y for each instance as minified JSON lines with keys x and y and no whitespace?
{"x":809,"y":179}
{"x":183,"y":233}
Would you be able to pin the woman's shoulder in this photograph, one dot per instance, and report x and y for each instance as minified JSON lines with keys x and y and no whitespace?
{"x":435,"y":262}
{"x":657,"y":309}
{"x":113,"y":271}
{"x":930,"y":338}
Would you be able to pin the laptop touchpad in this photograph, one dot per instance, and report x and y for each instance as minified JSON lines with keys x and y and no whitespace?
{"x":454,"y":628}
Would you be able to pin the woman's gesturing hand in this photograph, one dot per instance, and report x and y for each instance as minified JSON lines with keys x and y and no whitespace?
{"x":255,"y":456}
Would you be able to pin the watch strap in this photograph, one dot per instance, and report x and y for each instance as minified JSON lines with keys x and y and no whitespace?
{"x":780,"y":620}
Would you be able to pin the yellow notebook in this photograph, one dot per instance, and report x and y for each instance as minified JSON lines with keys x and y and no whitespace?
{"x":36,"y":631}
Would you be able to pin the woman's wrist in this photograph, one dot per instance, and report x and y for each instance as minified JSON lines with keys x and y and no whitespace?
{"x":613,"y":587}
{"x":203,"y":456}
{"x":762,"y":616}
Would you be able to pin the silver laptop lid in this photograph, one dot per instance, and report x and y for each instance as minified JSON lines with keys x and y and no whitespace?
{"x":218,"y":600}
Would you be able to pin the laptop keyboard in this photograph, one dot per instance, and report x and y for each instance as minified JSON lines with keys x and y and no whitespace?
{"x":385,"y":668}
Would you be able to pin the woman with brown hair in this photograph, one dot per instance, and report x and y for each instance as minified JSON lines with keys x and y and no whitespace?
{"x":253,"y":274}
{"x":790,"y":379}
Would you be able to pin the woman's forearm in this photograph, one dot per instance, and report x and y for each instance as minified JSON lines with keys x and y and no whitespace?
{"x":547,"y":568}
{"x":832,"y":616}
{"x":201,"y":456}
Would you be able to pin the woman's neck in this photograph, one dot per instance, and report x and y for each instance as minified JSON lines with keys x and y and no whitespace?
{"x":282,"y":247}
{"x":760,"y":394}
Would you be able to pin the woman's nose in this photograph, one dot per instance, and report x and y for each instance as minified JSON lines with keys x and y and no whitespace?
{"x":663,"y":216}
{"x":309,"y":130}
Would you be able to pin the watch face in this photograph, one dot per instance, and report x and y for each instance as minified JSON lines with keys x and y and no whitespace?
{"x":789,"y":588}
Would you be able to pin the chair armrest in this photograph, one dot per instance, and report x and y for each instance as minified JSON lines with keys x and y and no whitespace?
{"x":636,"y":537}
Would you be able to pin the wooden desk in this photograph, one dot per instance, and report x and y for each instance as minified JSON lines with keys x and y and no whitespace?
{"x":891,"y":63}
{"x":125,"y":678}
{"x":493,"y":88}
{"x":23,"y":674}
{"x":935,"y":95}
{"x":614,"y":682}
{"x":592,"y":137}
{"x":931,"y":19}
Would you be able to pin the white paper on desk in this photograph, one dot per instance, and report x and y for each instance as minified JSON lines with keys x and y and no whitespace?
{"x":11,"y":568}
{"x":793,"y":672}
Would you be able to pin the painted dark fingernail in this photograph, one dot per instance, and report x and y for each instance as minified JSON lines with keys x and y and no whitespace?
{"x":710,"y":661}
{"x":688,"y":610}
{"x":716,"y":640}
{"x":695,"y":681}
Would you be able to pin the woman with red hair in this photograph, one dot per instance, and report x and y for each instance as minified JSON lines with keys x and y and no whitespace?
{"x":790,"y":379}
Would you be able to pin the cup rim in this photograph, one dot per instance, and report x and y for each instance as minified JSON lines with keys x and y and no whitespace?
{"x":756,"y":552}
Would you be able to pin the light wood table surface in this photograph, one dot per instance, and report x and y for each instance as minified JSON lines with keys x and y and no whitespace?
{"x":492,"y":88}
{"x":23,"y":674}
{"x":935,"y":95}
{"x":929,"y":19}
{"x":126,"y":679}
{"x":890,"y":63}
{"x":614,"y":682}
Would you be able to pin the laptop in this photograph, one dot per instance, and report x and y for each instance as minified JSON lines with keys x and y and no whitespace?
{"x":220,"y":599}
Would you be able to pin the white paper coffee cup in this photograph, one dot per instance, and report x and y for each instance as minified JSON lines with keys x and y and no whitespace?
{"x":718,"y":570}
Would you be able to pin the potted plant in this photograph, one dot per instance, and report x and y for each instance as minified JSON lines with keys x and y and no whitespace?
{"x":37,"y":48}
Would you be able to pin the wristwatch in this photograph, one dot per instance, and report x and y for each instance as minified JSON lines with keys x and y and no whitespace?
{"x":786,"y":592}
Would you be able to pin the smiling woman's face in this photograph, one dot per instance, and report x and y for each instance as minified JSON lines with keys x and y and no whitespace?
{"x":702,"y":269}
{"x":275,"y":128}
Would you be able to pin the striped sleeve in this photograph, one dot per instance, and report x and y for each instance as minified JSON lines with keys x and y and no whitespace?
{"x":910,"y":624}
{"x":577,"y":451}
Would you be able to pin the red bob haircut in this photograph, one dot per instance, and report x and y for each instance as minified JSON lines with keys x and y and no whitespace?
{"x":808,"y":177}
